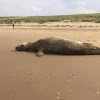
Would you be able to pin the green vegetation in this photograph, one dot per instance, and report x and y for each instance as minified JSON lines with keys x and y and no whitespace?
{"x":44,"y":19}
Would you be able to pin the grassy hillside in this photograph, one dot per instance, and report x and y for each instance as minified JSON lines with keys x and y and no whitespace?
{"x":44,"y":19}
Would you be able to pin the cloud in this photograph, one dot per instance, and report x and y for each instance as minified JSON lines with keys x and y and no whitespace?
{"x":78,"y":7}
{"x":47,"y":7}
{"x":36,"y":10}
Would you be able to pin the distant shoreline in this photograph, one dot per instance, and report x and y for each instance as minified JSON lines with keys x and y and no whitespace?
{"x":55,"y":25}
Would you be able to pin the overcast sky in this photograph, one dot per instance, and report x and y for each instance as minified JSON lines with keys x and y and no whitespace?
{"x":48,"y":7}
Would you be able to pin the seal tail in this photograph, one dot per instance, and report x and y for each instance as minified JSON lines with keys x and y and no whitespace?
{"x":96,"y":51}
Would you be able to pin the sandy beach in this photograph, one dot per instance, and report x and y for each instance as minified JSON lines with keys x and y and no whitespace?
{"x":24,"y":76}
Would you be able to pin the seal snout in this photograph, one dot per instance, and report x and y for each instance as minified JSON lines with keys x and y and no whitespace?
{"x":16,"y":48}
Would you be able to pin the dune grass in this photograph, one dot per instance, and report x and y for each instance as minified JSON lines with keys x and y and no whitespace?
{"x":44,"y":19}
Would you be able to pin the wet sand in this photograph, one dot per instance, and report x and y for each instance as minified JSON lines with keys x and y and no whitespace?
{"x":23,"y":76}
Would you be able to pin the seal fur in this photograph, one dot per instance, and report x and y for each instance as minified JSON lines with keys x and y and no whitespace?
{"x":54,"y":45}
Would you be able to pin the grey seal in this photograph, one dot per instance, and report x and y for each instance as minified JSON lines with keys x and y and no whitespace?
{"x":53,"y":45}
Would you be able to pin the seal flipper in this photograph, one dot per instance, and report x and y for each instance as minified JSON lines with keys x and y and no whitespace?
{"x":40,"y":52}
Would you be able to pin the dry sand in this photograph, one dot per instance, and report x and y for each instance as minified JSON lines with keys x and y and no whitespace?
{"x":23,"y":76}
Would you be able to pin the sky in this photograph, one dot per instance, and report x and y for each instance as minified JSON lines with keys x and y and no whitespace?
{"x":48,"y":7}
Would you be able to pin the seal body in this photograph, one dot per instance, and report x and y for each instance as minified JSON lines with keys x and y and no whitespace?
{"x":54,"y":45}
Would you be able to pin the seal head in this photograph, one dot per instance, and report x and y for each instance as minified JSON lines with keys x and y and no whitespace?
{"x":21,"y":47}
